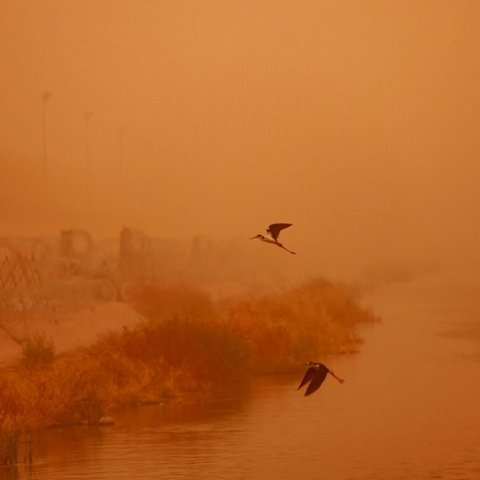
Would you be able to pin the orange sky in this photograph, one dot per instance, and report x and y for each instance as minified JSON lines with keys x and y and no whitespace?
{"x":356,"y":121}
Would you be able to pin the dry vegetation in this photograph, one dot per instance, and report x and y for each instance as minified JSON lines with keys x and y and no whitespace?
{"x":187,"y":345}
{"x":301,"y":324}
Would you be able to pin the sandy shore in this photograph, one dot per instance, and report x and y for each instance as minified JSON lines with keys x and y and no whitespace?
{"x":68,"y":330}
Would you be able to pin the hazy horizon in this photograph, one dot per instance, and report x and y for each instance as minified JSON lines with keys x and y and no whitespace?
{"x":357,"y":122}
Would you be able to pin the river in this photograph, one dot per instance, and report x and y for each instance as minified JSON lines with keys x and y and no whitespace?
{"x":409,"y":409}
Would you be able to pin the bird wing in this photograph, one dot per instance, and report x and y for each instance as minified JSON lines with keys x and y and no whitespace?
{"x":275,"y":228}
{"x":309,"y":374}
{"x":316,"y":381}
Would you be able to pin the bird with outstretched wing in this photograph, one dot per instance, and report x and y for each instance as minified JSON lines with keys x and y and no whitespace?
{"x":274,"y":231}
{"x":275,"y":228}
{"x":314,"y":376}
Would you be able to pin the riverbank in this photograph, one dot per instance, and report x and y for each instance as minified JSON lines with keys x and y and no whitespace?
{"x":390,"y":412}
{"x":67,"y":330}
{"x":186,"y":344}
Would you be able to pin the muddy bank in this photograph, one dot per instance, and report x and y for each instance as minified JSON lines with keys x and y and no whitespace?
{"x":67,"y":330}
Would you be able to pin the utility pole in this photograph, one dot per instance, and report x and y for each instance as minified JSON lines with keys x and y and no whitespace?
{"x":121,"y":166}
{"x":45,"y":97}
{"x":88,"y":186}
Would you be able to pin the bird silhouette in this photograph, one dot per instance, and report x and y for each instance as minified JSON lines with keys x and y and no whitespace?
{"x":274,"y":231}
{"x":315,"y":375}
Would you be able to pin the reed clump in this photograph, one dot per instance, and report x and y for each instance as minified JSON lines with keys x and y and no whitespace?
{"x":38,"y":350}
{"x":163,"y":300}
{"x":9,"y":443}
{"x":314,"y":319}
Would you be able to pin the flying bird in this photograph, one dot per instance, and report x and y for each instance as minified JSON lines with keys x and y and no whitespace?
{"x":274,"y":231}
{"x":315,"y":375}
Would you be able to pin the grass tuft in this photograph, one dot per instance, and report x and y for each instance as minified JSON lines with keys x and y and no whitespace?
{"x":38,"y":351}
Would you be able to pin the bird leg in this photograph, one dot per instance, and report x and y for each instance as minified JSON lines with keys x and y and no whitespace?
{"x":285,"y":248}
{"x":338,"y":379}
{"x":273,"y":242}
{"x":277,"y":243}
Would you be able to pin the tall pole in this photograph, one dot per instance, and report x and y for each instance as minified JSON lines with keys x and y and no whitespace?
{"x":88,"y":190}
{"x":45,"y":97}
{"x":149,"y":172}
{"x":120,"y":192}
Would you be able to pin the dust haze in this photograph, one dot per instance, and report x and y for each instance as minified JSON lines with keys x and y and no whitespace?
{"x":355,"y":121}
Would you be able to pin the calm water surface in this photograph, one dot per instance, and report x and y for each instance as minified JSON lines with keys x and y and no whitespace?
{"x":410,"y":409}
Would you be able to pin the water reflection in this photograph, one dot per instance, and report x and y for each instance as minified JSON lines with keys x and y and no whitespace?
{"x":408,"y":410}
{"x":185,"y":431}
